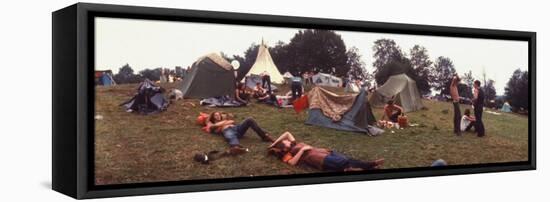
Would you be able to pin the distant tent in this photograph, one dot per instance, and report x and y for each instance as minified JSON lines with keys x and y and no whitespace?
{"x":322,"y":79}
{"x":210,"y":76}
{"x":402,"y":90}
{"x":506,"y":107}
{"x":357,"y":114}
{"x":264,"y":65}
{"x":288,"y":77}
{"x":104,"y":78}
{"x":352,"y":87}
{"x":149,"y":99}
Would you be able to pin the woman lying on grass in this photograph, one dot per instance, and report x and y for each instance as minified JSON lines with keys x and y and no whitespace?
{"x":233,"y":132}
{"x":286,"y":148}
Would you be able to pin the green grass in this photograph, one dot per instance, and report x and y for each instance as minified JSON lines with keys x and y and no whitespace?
{"x":132,"y":148}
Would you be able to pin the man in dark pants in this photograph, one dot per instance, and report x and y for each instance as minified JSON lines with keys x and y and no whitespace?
{"x":296,"y":87}
{"x":266,"y":83}
{"x":479,"y":98}
{"x":456,"y":98}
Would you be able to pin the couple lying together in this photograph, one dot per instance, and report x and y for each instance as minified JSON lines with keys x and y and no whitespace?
{"x":286,"y":147}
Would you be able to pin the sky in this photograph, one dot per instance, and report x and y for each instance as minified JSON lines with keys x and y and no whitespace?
{"x":153,"y":43}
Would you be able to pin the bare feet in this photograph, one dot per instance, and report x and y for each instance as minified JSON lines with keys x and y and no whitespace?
{"x":378,"y":163}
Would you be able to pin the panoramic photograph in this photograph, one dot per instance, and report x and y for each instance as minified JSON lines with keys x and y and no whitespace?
{"x":178,"y":101}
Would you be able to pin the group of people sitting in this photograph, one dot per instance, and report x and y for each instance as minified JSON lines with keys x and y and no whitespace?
{"x":285,"y":147}
{"x":263,"y":93}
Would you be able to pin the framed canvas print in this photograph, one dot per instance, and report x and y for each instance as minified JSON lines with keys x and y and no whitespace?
{"x":157,"y":100}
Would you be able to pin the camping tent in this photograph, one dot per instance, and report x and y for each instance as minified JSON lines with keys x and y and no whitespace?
{"x":506,"y":107}
{"x":149,"y":99}
{"x":356,"y":113}
{"x":322,"y":79}
{"x":264,"y":65}
{"x":288,"y":77}
{"x":352,"y":87}
{"x":210,"y":76}
{"x":104,"y":78}
{"x":402,"y":89}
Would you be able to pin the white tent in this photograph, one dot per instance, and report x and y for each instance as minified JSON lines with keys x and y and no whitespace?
{"x":402,"y":90}
{"x":264,"y":65}
{"x":352,"y":87}
{"x":287,"y":75}
{"x":323,"y":79}
{"x":506,"y":107}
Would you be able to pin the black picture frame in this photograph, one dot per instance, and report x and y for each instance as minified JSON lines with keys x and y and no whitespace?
{"x":73,"y":99}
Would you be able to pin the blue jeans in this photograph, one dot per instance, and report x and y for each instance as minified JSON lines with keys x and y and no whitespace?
{"x":338,"y":162}
{"x":232,"y":134}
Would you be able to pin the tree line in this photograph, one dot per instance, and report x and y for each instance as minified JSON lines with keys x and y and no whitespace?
{"x":324,"y":51}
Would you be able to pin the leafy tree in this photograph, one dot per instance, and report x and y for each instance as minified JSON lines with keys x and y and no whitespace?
{"x":464,"y":90}
{"x":279,"y":54}
{"x":151,"y":74}
{"x":386,"y":51}
{"x":441,"y":75}
{"x":468,"y":79}
{"x":490,"y":91}
{"x":357,"y":69}
{"x":421,"y":64}
{"x":247,"y":61}
{"x":517,"y":90}
{"x":126,"y":75}
{"x":318,"y":51}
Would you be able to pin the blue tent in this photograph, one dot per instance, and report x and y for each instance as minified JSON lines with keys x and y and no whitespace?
{"x":359,"y":118}
{"x":106,"y":80}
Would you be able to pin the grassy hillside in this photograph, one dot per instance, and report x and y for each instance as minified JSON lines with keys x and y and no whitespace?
{"x":132,"y":148}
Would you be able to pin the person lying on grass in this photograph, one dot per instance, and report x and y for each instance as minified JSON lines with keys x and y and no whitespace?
{"x":468,"y":121}
{"x":392,"y":111}
{"x":289,"y":151}
{"x":233,"y":132}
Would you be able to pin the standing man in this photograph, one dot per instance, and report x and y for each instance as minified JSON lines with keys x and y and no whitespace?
{"x":456,"y":98}
{"x":296,"y":87}
{"x":479,"y":98}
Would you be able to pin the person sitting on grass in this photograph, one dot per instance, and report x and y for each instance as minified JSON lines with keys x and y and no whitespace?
{"x":260,"y":93}
{"x":241,"y":95}
{"x":392,"y":112}
{"x":467,"y":121}
{"x":232,"y":132}
{"x":289,"y":151}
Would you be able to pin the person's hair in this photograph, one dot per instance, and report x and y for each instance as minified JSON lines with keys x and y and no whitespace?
{"x":390,"y":102}
{"x":467,"y":112}
{"x":212,"y":118}
{"x":240,"y":85}
{"x":257,"y":83}
{"x":477,"y":83}
{"x":278,"y":150}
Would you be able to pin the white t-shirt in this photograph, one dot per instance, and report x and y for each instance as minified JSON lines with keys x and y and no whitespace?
{"x":464,"y":122}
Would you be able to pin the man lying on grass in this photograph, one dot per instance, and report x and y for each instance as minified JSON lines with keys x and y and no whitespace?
{"x":289,"y":151}
{"x":233,"y":132}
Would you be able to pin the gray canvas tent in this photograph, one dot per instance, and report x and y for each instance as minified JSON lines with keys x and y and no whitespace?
{"x":358,"y":118}
{"x":210,"y":76}
{"x":402,"y":89}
